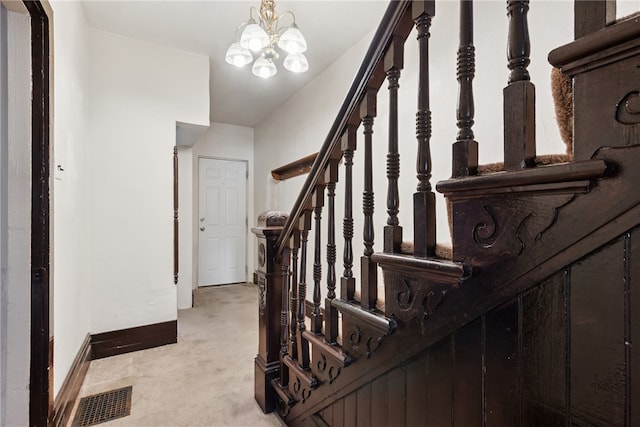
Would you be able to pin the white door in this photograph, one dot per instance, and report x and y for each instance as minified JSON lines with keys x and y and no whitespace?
{"x":222,"y":221}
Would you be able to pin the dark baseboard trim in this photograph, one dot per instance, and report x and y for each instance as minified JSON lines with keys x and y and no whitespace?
{"x":133,"y":339}
{"x":68,"y":393}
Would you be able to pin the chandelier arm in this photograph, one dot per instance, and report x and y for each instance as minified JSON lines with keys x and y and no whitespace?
{"x":253,"y":9}
{"x":286,"y":12}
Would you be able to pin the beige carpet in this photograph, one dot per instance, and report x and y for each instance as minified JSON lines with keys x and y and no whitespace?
{"x":204,"y":380}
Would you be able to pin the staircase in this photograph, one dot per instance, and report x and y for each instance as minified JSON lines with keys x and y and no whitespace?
{"x":531,"y":320}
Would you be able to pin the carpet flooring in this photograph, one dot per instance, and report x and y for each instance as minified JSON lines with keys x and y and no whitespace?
{"x":206,"y":379}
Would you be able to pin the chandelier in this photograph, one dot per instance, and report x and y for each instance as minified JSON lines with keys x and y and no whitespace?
{"x":262,"y":37}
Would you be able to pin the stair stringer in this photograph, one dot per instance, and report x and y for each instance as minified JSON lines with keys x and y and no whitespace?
{"x":615,"y":204}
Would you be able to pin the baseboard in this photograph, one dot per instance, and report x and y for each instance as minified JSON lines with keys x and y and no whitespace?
{"x":66,"y":398}
{"x":133,"y":339}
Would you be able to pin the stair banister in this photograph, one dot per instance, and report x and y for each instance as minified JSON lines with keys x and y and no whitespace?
{"x":387,"y":28}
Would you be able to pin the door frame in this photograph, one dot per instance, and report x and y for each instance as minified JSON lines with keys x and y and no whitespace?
{"x":41,"y":364}
{"x":196,"y":211}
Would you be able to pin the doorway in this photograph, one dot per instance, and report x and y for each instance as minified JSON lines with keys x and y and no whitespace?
{"x":222,"y":221}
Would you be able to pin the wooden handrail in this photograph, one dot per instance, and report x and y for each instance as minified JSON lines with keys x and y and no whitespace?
{"x":295,"y":168}
{"x":387,"y":28}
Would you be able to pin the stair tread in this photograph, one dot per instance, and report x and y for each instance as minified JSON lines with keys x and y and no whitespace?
{"x":282,"y":392}
{"x":303,"y":374}
{"x":445,"y":269}
{"x":333,"y":350}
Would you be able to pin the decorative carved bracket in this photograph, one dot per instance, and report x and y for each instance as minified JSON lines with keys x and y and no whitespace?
{"x":492,"y":229}
{"x":328,"y":360}
{"x":497,"y":216}
{"x":408,"y":298}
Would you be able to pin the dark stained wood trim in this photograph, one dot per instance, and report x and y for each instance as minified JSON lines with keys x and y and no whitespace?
{"x":293,"y":169}
{"x":552,"y":174}
{"x":71,"y":386}
{"x":374,"y":57}
{"x":112,"y":343}
{"x":39,"y":387}
{"x":176,"y":224}
{"x":617,"y":34}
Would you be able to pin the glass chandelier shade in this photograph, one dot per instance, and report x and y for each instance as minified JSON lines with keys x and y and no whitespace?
{"x":238,"y":56}
{"x":254,"y":37}
{"x":296,"y":63}
{"x":292,"y":40}
{"x":262,"y":37}
{"x":264,"y":68}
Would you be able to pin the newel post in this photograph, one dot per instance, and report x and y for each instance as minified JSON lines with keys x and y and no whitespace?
{"x":268,"y":276}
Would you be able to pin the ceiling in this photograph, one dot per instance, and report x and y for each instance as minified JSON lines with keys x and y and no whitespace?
{"x":208,"y":27}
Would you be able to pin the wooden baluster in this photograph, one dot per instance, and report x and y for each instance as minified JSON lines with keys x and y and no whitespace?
{"x":303,"y":344}
{"x":348,"y":145}
{"x":424,"y":201}
{"x":369,"y":274}
{"x":293,"y":308}
{"x":284,"y":371}
{"x":331,"y":313}
{"x":465,"y":149}
{"x":519,"y":95}
{"x":317,"y":203}
{"x":393,"y":64}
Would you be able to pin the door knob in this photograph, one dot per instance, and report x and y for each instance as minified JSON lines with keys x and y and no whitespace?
{"x":201,"y":228}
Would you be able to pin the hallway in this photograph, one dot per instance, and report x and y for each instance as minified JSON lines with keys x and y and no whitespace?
{"x":206,"y":379}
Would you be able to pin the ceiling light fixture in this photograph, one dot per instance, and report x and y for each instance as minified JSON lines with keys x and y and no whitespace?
{"x":262,"y":37}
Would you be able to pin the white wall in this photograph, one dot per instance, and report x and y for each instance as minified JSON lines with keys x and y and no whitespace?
{"x":138,"y":92}
{"x":71,"y":242}
{"x":300,"y":125}
{"x":223,"y":141}
{"x":15,"y":216}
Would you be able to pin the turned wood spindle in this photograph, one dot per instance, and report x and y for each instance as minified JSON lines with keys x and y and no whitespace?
{"x":465,"y":149}
{"x":303,"y":345}
{"x":519,"y":95}
{"x":393,"y":64}
{"x":293,"y":325}
{"x":519,"y":46}
{"x":369,"y":277}
{"x":318,"y":202}
{"x":348,"y":145}
{"x":283,"y":316}
{"x":331,"y":313}
{"x":424,"y":199}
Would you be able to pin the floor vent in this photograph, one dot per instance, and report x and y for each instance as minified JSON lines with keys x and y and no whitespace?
{"x":103,"y":407}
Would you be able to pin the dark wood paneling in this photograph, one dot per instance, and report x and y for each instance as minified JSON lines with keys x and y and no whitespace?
{"x":338,"y":413}
{"x":396,"y":397}
{"x":416,"y":390}
{"x":502,"y":379}
{"x":133,"y":339}
{"x":467,"y":377}
{"x":379,"y":402}
{"x":633,"y":285}
{"x":71,"y":386}
{"x":544,"y":354}
{"x":350,"y":410}
{"x":439,"y":378}
{"x":363,"y":411}
{"x":597,"y":338}
{"x":327,"y":415}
